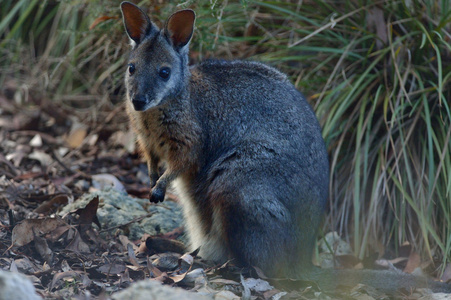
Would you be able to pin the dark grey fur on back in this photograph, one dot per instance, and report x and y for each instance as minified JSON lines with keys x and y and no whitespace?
{"x":263,"y":158}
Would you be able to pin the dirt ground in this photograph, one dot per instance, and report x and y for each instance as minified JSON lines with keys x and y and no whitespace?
{"x":53,"y":154}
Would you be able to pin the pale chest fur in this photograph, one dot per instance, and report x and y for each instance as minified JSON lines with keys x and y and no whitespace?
{"x":153,"y":135}
{"x":171,"y":136}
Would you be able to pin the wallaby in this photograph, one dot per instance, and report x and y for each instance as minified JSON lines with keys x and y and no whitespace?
{"x":243,"y":149}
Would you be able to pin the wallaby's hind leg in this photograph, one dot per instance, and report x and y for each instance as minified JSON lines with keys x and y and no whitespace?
{"x":259,"y":230}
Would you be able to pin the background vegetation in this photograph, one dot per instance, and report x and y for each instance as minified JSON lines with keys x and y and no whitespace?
{"x":378,"y":74}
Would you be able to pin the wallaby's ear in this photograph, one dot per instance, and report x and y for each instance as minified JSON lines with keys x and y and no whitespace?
{"x":179,"y":27}
{"x":137,"y":23}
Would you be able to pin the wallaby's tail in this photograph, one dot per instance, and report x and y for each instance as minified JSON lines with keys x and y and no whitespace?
{"x":386,"y":281}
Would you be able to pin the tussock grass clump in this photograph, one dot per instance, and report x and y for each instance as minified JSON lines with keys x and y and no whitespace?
{"x":377,"y":73}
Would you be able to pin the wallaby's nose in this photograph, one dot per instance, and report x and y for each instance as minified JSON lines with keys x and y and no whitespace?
{"x":139,"y":102}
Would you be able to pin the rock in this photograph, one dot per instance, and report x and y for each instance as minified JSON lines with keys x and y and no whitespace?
{"x":15,"y":286}
{"x":118,"y":208}
{"x":153,"y":290}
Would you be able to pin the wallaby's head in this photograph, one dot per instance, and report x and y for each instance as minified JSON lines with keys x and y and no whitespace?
{"x":158,"y":64}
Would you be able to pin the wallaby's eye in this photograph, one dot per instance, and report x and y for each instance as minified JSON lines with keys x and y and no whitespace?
{"x":131,"y":69}
{"x":164,"y":73}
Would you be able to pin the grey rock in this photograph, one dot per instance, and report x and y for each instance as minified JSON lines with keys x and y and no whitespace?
{"x":153,"y":290}
{"x":15,"y":286}
{"x":118,"y":208}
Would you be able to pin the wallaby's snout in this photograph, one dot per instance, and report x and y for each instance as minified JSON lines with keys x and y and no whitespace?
{"x":139,"y":102}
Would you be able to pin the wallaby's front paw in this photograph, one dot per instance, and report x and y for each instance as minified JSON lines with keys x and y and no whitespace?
{"x":153,"y":180}
{"x":156,"y":195}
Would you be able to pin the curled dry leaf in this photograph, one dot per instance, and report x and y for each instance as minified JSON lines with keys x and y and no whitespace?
{"x":101,"y":181}
{"x":185,"y":263}
{"x":167,"y":261}
{"x":223,"y":281}
{"x":446,"y":276}
{"x":159,"y":245}
{"x":36,"y":141}
{"x":88,"y":214}
{"x":131,"y":255}
{"x":413,"y":262}
{"x":194,"y":276}
{"x":187,"y":258}
{"x":178,"y":277}
{"x":125,"y":278}
{"x":112,"y":268}
{"x":377,"y":23}
{"x":153,"y":270}
{"x":24,"y":232}
{"x":274,"y":294}
{"x":77,"y":245}
{"x":62,"y":275}
{"x":227,"y":295}
{"x":43,"y":158}
{"x":43,"y":249}
{"x":16,"y":157}
{"x":100,"y":20}
{"x":125,"y":241}
{"x":164,"y":278}
{"x":258,"y":285}
{"x":76,"y":137}
{"x":24,"y":265}
{"x":52,"y":205}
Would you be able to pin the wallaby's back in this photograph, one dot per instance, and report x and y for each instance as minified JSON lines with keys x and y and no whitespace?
{"x":264,"y":168}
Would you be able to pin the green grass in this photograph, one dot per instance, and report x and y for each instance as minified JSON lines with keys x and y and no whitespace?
{"x":381,"y":90}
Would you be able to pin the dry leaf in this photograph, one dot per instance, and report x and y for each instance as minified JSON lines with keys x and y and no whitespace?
{"x":154,"y":272}
{"x":167,"y":261}
{"x":131,"y":255}
{"x":125,"y":139}
{"x":178,"y":277}
{"x":274,"y":294}
{"x":100,"y":181}
{"x":88,"y":214}
{"x":18,"y":155}
{"x":76,"y":137}
{"x":42,"y":157}
{"x":113,"y":268}
{"x":54,"y":235}
{"x":160,"y":245}
{"x":43,"y":249}
{"x":36,"y":141}
{"x":376,"y":21}
{"x":52,"y":205}
{"x":446,"y":276}
{"x":258,"y":285}
{"x":226,"y":295}
{"x":62,"y":275}
{"x":223,"y":281}
{"x":24,"y":232}
{"x":77,"y":245}
{"x":194,"y":276}
{"x":125,"y":241}
{"x":24,"y":265}
{"x":100,"y":20}
{"x":413,"y":262}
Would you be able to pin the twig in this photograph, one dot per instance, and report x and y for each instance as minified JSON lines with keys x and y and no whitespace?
{"x":137,"y":219}
{"x":332,"y":23}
